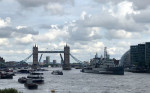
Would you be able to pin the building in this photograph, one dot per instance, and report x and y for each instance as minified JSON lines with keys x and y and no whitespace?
{"x":2,"y":62}
{"x":54,"y":62}
{"x":125,"y":59}
{"x":134,"y":54}
{"x":140,"y":55}
{"x":147,"y":53}
{"x":47,"y":59}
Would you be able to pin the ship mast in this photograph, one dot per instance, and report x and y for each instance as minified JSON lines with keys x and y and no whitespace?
{"x":105,"y":52}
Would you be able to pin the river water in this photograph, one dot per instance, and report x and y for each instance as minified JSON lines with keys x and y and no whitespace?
{"x":74,"y":81}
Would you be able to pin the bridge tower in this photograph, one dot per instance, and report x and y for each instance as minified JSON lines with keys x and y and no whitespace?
{"x":66,"y":63}
{"x":35,"y":57}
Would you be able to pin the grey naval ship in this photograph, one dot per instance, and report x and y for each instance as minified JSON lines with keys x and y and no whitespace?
{"x":104,"y":65}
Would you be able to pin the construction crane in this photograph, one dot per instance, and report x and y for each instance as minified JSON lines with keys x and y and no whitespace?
{"x":40,"y":57}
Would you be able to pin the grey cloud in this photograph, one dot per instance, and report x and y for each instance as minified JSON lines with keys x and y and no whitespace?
{"x":44,"y":26}
{"x":106,"y":21}
{"x":140,"y":4}
{"x":32,"y":3}
{"x":80,"y":34}
{"x":137,"y":4}
{"x":9,"y":32}
{"x":37,"y":3}
{"x":22,"y":43}
{"x":107,"y":1}
{"x":27,"y":30}
{"x":113,"y":34}
{"x":143,"y":17}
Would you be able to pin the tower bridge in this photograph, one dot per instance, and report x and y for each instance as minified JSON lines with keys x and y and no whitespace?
{"x":65,"y":64}
{"x":65,"y":61}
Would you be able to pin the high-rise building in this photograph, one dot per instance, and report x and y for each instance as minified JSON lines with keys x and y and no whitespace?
{"x":147,"y":53}
{"x":134,"y":54}
{"x":48,"y":59}
{"x":140,"y":54}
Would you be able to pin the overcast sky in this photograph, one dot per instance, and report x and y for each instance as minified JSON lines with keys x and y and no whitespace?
{"x":87,"y":26}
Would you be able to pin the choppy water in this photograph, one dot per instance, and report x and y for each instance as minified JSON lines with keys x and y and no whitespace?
{"x":74,"y":81}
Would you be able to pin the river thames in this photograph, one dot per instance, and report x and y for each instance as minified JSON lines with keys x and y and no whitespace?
{"x":74,"y":81}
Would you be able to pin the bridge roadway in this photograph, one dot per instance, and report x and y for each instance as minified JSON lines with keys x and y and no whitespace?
{"x":50,"y":51}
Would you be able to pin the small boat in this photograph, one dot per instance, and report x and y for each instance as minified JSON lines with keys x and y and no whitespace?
{"x":38,"y":81}
{"x":24,"y":71}
{"x":36,"y":73}
{"x":87,"y":70}
{"x":5,"y":75}
{"x":30,"y":85}
{"x":57,"y":72}
{"x":35,"y":76}
{"x":22,"y":80}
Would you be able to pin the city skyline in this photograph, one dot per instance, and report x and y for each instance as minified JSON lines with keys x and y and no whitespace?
{"x":87,"y":27}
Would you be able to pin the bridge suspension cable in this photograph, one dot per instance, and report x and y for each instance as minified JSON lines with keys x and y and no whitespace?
{"x":40,"y":57}
{"x":26,"y":58}
{"x":76,"y":59}
{"x":62,"y":61}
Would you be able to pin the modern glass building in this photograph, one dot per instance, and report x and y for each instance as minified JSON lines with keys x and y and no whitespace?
{"x":147,"y":53}
{"x":140,"y":54}
{"x":125,"y":59}
{"x":134,"y":55}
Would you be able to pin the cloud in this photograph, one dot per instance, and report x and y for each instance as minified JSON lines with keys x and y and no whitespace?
{"x":108,"y":1}
{"x":142,"y":17}
{"x":55,"y":9}
{"x":55,"y":33}
{"x":4,"y":23}
{"x":121,"y":34}
{"x":137,"y":4}
{"x":114,"y":19}
{"x":85,"y":34}
{"x":9,"y":32}
{"x":140,"y":4}
{"x":24,"y":40}
{"x":37,"y":3}
{"x":4,"y":42}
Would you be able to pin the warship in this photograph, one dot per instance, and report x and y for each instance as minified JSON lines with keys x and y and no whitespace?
{"x":104,"y":65}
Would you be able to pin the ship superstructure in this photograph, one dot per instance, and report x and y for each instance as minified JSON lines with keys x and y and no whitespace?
{"x":104,"y":65}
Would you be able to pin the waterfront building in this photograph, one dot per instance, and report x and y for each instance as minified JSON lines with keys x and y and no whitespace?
{"x":2,"y":62}
{"x":134,"y":54}
{"x":125,"y":59}
{"x":2,"y":59}
{"x":47,"y":59}
{"x":140,"y":54}
{"x":54,"y":62}
{"x":147,"y":53}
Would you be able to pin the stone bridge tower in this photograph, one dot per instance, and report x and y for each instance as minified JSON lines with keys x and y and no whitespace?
{"x":66,"y":63}
{"x":35,"y":57}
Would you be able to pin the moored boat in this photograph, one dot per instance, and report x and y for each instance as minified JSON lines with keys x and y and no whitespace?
{"x":5,"y":75}
{"x":22,"y":80}
{"x":35,"y":77}
{"x":30,"y":85}
{"x":57,"y":72}
{"x":104,"y":65}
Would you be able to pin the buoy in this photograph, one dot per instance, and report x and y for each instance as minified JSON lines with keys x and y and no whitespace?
{"x":53,"y":91}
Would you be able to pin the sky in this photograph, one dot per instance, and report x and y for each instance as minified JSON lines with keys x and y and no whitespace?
{"x":87,"y":26}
